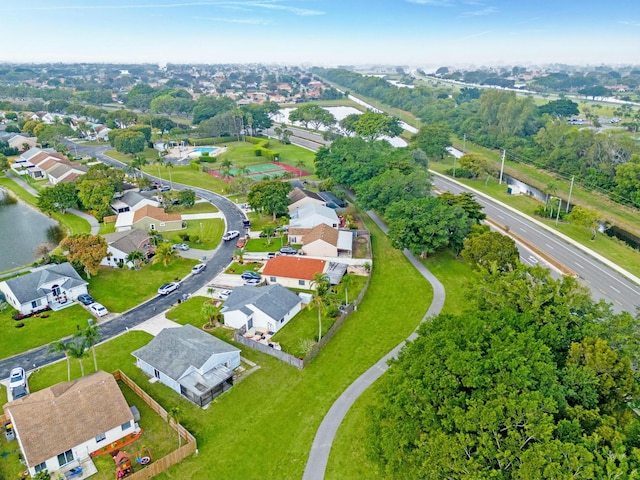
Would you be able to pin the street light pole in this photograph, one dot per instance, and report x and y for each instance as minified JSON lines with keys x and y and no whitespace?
{"x":570,"y":190}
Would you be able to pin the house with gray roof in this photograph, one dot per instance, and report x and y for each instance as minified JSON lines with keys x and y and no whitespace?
{"x":54,"y":286}
{"x":121,"y":244}
{"x":191,"y":362}
{"x":132,"y":201}
{"x":269,"y":308}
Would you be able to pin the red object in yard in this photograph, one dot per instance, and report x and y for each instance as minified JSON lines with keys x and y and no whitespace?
{"x":241,"y":242}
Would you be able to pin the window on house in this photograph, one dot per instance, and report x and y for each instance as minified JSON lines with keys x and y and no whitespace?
{"x":65,"y":458}
{"x":301,"y":282}
{"x":40,"y":467}
{"x":152,"y":226}
{"x":101,"y":438}
{"x":36,"y":303}
{"x":126,"y":426}
{"x":156,"y":373}
{"x":282,"y":320}
{"x":272,"y":279}
{"x":162,"y":224}
{"x":55,"y":290}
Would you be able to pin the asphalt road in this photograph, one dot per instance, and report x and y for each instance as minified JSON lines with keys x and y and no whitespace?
{"x":302,"y":138}
{"x":120,"y":324}
{"x":604,"y":282}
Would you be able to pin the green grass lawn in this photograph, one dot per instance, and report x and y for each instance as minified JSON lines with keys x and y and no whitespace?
{"x":208,"y":231}
{"x":238,"y":268}
{"x":150,"y":154}
{"x":106,"y":228}
{"x":120,"y":289}
{"x":261,"y":244}
{"x":260,"y":220}
{"x":38,"y":331}
{"x":201,"y":207}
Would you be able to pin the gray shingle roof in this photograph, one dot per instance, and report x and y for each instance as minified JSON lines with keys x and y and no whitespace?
{"x":29,"y":287}
{"x":274,"y":300}
{"x":174,"y":350}
{"x":126,"y":241}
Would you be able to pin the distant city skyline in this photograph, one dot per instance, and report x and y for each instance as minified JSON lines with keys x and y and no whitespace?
{"x":323,"y":32}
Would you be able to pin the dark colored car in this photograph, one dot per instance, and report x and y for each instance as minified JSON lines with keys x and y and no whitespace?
{"x":85,"y":299}
{"x":288,"y":251}
{"x":246,"y":275}
{"x":246,"y":223}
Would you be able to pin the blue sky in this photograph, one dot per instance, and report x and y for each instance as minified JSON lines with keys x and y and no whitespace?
{"x":419,"y":33}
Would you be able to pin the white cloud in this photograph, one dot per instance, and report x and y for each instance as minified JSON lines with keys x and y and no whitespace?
{"x":633,"y":24}
{"x":435,"y":3}
{"x":474,"y":35}
{"x":481,"y":12}
{"x":247,"y":21}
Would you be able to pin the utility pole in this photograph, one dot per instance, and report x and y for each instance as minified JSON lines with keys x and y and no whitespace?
{"x":558,"y":215}
{"x":570,"y":190}
{"x":454,"y":166}
{"x":464,"y":142}
{"x":504,"y":152}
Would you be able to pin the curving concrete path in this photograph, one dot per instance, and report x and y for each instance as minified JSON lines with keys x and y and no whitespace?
{"x":321,"y":448}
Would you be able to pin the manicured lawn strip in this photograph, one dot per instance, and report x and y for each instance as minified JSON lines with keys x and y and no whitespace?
{"x":209,"y":232}
{"x":260,"y":220}
{"x":610,"y":248}
{"x":187,"y":175}
{"x":261,"y":244}
{"x":150,"y":154}
{"x":120,"y":289}
{"x":238,"y":268}
{"x":201,"y":207}
{"x":38,"y":331}
{"x":106,"y":228}
{"x":188,"y":312}
{"x":348,"y":452}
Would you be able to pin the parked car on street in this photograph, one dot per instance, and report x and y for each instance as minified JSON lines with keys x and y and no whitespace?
{"x":17,"y":377}
{"x":98,"y":309}
{"x":241,"y":242}
{"x":86,"y":299}
{"x":181,"y":246}
{"x":167,"y":288}
{"x":165,"y":188}
{"x":288,"y":251}
{"x":272,"y":254}
{"x":230,"y":235}
{"x":246,"y":275}
{"x":246,"y":223}
{"x":198,"y":269}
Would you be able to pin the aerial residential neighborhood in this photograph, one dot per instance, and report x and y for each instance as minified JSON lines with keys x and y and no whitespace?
{"x":298,"y":239}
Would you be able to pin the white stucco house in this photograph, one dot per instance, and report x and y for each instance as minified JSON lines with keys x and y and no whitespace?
{"x":313,"y":215}
{"x":191,"y":362}
{"x":299,"y":197}
{"x":268,"y":308}
{"x":59,"y":426}
{"x":323,"y":241}
{"x":121,"y":244}
{"x":53,"y":286}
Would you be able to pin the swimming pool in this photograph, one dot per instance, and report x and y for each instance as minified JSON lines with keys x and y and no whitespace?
{"x":205,"y":149}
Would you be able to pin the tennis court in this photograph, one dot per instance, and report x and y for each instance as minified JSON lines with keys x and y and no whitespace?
{"x":260,"y":171}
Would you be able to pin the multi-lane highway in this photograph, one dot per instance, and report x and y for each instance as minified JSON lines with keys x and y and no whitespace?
{"x":604,"y":282}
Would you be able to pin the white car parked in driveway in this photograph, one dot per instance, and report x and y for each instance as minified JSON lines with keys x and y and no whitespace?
{"x":17,"y":378}
{"x":98,"y":309}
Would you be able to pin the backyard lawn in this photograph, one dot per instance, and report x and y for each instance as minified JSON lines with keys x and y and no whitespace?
{"x":38,"y":331}
{"x":120,"y":289}
{"x":200,"y":207}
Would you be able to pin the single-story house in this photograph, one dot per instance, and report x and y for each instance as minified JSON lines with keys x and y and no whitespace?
{"x":52,"y":285}
{"x":61,"y":425}
{"x":293,"y":271}
{"x":323,"y":241}
{"x":131,"y":201}
{"x":269,"y":308}
{"x":19,"y":141}
{"x":121,"y":244}
{"x":149,"y":218}
{"x":299,"y":197}
{"x":332,"y":200}
{"x":65,"y":172}
{"x":312,"y":215}
{"x":191,"y":362}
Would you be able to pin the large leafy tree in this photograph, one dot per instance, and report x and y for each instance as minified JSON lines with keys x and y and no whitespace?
{"x":487,"y":394}
{"x":373,"y":125}
{"x":58,"y":198}
{"x":491,"y":250}
{"x":96,"y":188}
{"x":427,"y":225}
{"x":433,"y":139}
{"x":560,"y":108}
{"x":312,"y":114}
{"x":585,"y":217}
{"x":270,"y":197}
{"x":392,"y":186}
{"x":468,"y":203}
{"x":208,"y":107}
{"x":87,"y":250}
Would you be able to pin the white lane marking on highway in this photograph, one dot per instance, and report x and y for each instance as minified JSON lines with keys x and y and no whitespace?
{"x":551,"y":247}
{"x":578,"y":265}
{"x":614,"y":289}
{"x":523,"y":230}
{"x":500,"y":216}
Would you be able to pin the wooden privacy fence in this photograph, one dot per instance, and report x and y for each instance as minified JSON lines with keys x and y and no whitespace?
{"x":239,"y":337}
{"x":172,"y":458}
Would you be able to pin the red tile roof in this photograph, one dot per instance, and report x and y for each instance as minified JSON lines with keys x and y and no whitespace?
{"x":156,"y":213}
{"x":293,"y":267}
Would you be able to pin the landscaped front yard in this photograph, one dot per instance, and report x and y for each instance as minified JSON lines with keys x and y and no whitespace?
{"x":120,"y":289}
{"x":38,"y":331}
{"x":208,"y":231}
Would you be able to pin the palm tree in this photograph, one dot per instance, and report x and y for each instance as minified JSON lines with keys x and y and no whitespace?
{"x":138,"y":162}
{"x":211,"y":311}
{"x":320,"y":297}
{"x":62,"y":346}
{"x":299,"y":164}
{"x":174,"y":414}
{"x":78,"y":350}
{"x":347,"y":281}
{"x":169,"y":166}
{"x":239,"y":253}
{"x":164,"y":254}
{"x":268,"y":231}
{"x":91,"y":335}
{"x":159,"y":161}
{"x":136,"y":257}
